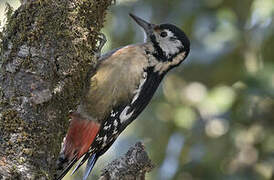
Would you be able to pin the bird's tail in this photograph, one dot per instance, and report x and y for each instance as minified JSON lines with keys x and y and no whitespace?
{"x":91,"y":162}
{"x":77,"y":142}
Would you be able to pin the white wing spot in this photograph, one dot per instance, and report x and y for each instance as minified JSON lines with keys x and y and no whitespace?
{"x":105,"y":138}
{"x":137,"y":91}
{"x":105,"y":141}
{"x":124,"y":115}
{"x":113,"y":114}
{"x":169,"y":47}
{"x":115,"y":123}
{"x":99,"y":139}
{"x":107,"y":127}
{"x":145,"y":75}
{"x":115,"y":132}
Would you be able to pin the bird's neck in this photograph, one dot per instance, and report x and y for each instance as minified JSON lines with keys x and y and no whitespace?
{"x":159,"y":65}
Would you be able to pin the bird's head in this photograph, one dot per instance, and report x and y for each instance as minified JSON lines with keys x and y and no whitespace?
{"x":167,"y":39}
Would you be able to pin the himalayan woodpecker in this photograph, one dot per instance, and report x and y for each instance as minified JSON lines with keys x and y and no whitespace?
{"x":122,"y":86}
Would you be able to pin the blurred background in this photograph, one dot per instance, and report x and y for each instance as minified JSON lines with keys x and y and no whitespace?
{"x":213,"y":117}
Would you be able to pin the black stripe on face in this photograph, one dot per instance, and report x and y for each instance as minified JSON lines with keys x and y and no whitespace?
{"x":159,"y":53}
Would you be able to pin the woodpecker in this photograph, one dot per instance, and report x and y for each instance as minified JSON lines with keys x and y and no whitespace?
{"x":122,"y":86}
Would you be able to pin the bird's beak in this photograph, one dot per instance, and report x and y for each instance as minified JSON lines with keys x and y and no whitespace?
{"x":145,"y":25}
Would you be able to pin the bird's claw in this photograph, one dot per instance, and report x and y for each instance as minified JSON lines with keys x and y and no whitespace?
{"x":102,"y":41}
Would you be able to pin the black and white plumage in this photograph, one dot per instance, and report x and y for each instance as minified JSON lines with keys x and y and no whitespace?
{"x":123,"y":85}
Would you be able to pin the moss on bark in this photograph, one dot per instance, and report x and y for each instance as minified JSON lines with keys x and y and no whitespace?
{"x":47,"y":50}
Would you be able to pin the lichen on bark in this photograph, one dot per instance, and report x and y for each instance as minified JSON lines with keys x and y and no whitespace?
{"x":47,"y":50}
{"x":132,"y":166}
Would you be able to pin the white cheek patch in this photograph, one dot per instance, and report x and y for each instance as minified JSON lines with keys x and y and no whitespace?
{"x":168,"y":46}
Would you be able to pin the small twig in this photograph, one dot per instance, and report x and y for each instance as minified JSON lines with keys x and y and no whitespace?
{"x":132,"y":166}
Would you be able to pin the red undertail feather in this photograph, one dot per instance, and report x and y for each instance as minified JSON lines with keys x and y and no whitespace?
{"x":80,"y":136}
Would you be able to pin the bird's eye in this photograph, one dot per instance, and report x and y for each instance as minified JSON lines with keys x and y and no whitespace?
{"x":163,"y":34}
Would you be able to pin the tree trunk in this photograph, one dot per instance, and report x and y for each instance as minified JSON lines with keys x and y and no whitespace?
{"x":47,"y":50}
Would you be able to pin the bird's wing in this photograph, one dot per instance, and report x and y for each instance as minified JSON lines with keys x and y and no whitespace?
{"x":108,"y":54}
{"x":121,"y":116}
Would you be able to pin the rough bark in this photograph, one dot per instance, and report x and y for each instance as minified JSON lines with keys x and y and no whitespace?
{"x":47,"y":50}
{"x":132,"y":166}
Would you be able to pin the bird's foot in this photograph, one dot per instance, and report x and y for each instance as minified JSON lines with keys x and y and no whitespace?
{"x":101,"y":42}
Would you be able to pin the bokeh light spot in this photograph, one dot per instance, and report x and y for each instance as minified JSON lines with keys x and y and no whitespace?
{"x":216,"y":127}
{"x":184,"y":117}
